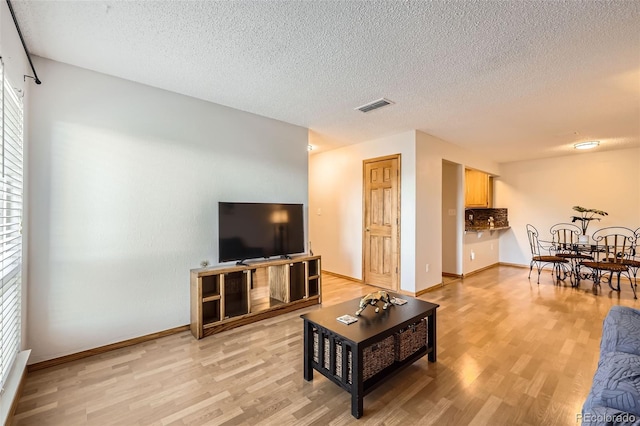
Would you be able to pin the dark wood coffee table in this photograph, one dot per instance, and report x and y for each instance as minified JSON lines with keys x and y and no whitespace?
{"x":352,"y":340}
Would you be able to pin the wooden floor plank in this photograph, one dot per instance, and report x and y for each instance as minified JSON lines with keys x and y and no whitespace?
{"x":510,"y":351}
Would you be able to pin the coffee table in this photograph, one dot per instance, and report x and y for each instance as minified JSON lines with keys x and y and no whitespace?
{"x":347,"y":343}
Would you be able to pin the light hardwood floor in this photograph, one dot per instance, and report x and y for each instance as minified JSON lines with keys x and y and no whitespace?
{"x":510,"y":352}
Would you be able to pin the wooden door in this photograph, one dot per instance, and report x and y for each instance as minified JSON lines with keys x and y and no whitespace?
{"x":381,"y":211}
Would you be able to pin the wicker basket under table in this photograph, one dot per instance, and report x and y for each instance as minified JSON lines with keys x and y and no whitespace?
{"x":376,"y":357}
{"x":410,"y":340}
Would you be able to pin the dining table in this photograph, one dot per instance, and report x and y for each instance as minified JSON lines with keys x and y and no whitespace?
{"x":585,"y":252}
{"x":581,"y":251}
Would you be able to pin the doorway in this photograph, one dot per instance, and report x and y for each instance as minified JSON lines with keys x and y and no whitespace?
{"x":381,"y":222}
{"x":452,"y":211}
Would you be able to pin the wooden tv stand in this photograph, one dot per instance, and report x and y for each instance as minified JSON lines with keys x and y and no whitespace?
{"x":226,"y":297}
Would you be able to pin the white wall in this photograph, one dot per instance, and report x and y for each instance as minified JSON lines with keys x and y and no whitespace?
{"x":335,"y":190}
{"x":335,"y":179}
{"x":124,"y":185}
{"x":450,"y":222}
{"x":485,"y":247}
{"x":430,"y":153}
{"x":542,"y":193}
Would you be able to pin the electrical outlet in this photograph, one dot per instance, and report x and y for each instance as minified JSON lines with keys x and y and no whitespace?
{"x":427,"y":268}
{"x":470,"y":217}
{"x":473,"y":255}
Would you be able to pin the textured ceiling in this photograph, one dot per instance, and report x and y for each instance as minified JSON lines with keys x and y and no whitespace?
{"x":513,"y":80}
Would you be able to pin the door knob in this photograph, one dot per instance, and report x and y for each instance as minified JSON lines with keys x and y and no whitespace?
{"x":367,"y":229}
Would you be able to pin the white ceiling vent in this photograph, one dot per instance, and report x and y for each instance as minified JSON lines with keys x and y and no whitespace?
{"x":375,"y":105}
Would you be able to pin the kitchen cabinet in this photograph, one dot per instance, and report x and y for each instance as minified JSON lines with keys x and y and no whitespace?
{"x":478,"y":189}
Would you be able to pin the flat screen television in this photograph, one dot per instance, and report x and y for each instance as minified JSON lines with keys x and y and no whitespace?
{"x":259,"y":230}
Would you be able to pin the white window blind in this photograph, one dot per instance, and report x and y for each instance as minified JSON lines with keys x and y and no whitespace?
{"x":10,"y":226}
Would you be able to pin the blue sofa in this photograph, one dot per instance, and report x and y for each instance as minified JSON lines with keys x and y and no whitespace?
{"x":614,"y":398}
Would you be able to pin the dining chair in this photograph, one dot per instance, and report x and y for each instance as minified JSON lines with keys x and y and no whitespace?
{"x":565,"y":238}
{"x":615,"y":250}
{"x":541,"y":256}
{"x":633,"y":261}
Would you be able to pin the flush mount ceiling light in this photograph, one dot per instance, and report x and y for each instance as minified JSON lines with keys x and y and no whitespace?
{"x":586,"y":145}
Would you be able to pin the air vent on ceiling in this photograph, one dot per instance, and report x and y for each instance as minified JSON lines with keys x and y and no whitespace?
{"x":374,"y":105}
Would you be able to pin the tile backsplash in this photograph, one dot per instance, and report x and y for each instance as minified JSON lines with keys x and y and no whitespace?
{"x":480,"y":218}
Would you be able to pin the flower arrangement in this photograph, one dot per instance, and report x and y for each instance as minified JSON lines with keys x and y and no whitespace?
{"x":586,"y":216}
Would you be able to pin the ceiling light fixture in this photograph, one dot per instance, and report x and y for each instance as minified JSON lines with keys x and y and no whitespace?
{"x":586,"y":145}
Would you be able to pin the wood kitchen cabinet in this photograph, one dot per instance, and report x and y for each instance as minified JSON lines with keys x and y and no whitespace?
{"x":478,"y":191}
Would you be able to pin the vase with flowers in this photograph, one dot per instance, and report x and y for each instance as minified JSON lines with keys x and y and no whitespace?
{"x":586,"y":216}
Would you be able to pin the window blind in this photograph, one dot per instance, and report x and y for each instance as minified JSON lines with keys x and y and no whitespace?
{"x":10,"y":226}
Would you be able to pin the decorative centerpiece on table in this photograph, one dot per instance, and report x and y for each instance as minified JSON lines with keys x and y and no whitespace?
{"x":373,"y":299}
{"x":586,"y":216}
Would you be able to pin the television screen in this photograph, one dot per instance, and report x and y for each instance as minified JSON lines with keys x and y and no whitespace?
{"x":253,"y":230}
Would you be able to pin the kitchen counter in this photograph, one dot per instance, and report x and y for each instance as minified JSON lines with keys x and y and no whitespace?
{"x":485,"y":228}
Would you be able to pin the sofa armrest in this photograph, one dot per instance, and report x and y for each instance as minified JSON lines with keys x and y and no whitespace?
{"x":621,"y":331}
